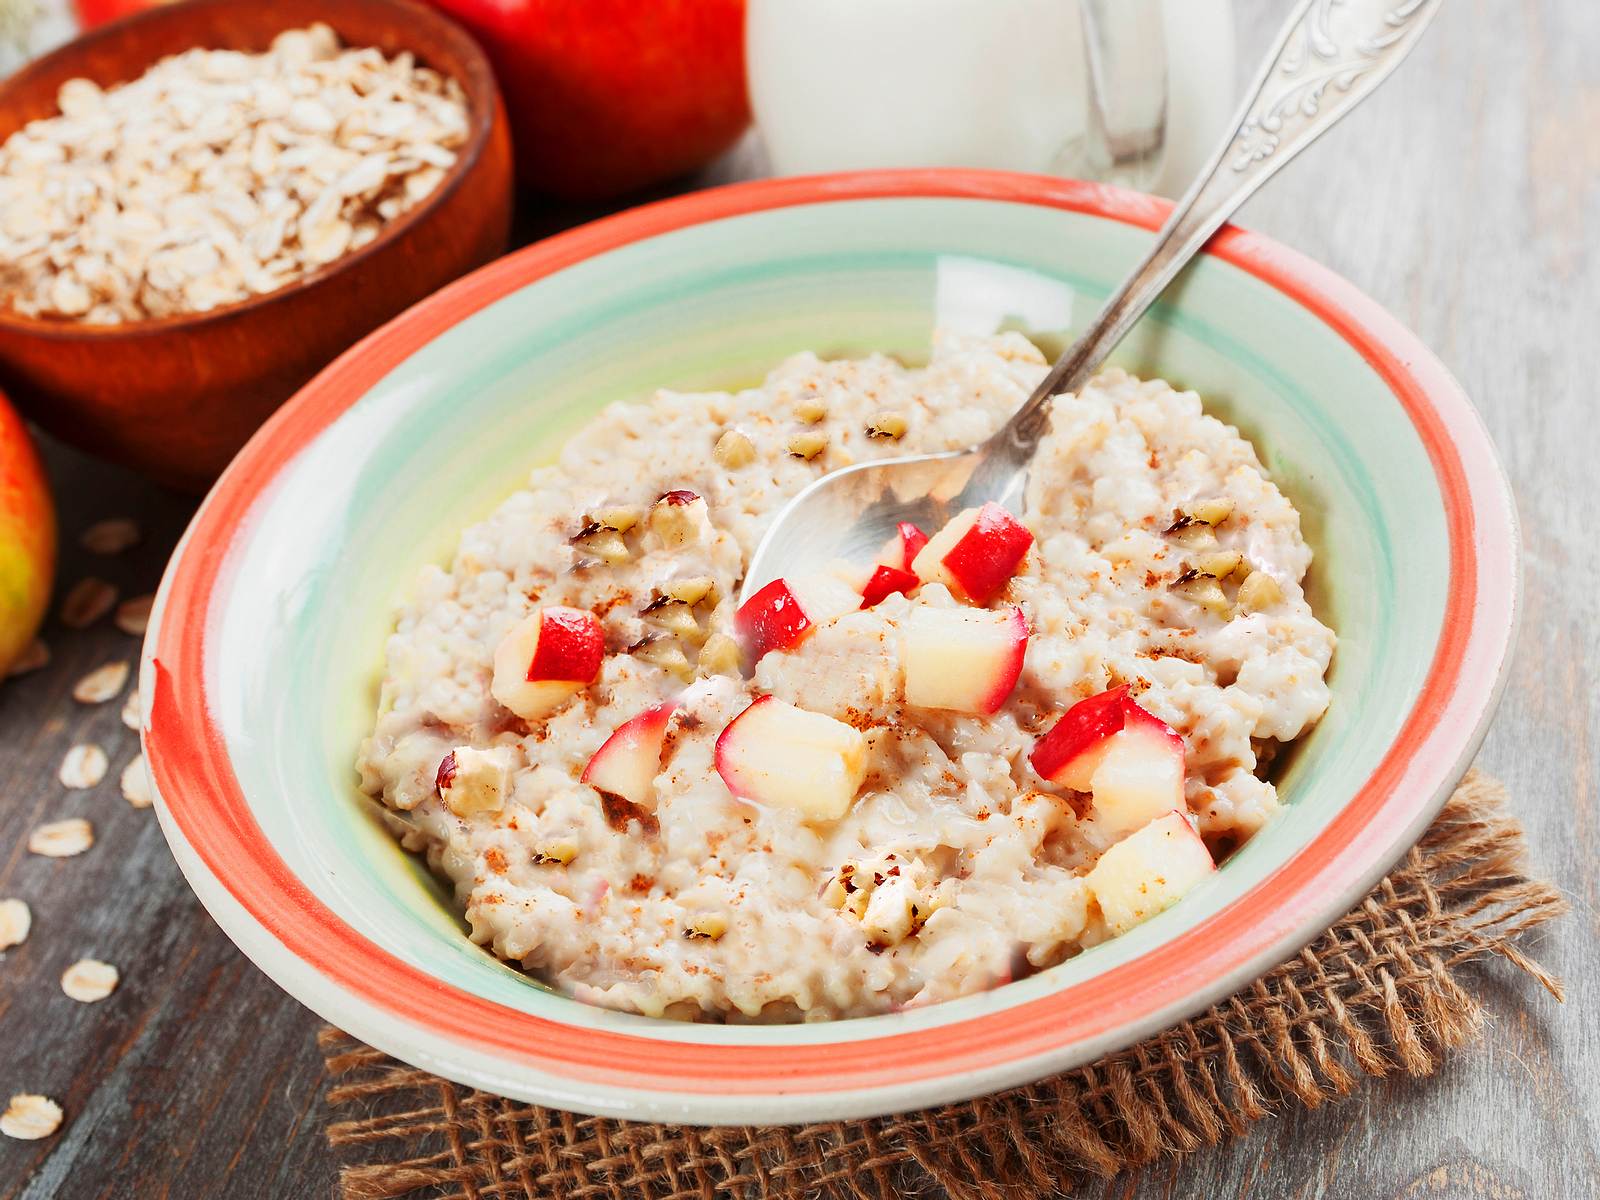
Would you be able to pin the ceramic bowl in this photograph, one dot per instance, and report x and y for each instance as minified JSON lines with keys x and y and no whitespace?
{"x":261,"y":668}
{"x":176,"y":397}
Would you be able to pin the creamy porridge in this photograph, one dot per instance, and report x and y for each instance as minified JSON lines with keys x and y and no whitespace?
{"x":867,"y":790}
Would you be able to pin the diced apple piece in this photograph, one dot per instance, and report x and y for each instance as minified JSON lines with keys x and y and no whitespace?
{"x":627,"y":763}
{"x":902,"y":549}
{"x":1149,"y":871}
{"x":1140,"y":775}
{"x":472,"y":781}
{"x":777,"y":754}
{"x":963,"y":659}
{"x":975,"y":554}
{"x":885,"y":582}
{"x":782,"y":613}
{"x":547,"y":658}
{"x":1069,"y":753}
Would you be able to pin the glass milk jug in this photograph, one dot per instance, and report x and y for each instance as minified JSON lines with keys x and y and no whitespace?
{"x":1132,"y":91}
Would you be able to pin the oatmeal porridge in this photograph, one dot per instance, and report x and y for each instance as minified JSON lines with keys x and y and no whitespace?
{"x":1007,"y":740}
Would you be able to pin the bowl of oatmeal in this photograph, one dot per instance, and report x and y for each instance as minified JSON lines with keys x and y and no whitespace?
{"x":203,"y":204}
{"x":460,"y":731}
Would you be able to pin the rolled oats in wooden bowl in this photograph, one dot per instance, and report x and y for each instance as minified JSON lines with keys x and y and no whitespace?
{"x":218,"y":175}
{"x":203,"y":205}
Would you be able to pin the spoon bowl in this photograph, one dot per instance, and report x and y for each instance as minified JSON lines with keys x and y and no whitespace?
{"x":850,"y":513}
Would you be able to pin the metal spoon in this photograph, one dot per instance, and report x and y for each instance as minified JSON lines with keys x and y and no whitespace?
{"x":1330,"y":56}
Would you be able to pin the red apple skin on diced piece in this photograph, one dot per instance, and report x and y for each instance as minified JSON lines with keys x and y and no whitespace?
{"x":902,"y":549}
{"x":546,"y":659}
{"x":776,"y":754}
{"x":976,"y":554}
{"x":678,"y":497}
{"x":962,"y":659}
{"x":1131,"y":761}
{"x":570,"y":648}
{"x":885,"y":582}
{"x":772,"y":619}
{"x":1068,"y":754}
{"x":1149,"y":871}
{"x":628,"y":761}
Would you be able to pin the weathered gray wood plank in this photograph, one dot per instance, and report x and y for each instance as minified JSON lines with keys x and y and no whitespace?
{"x":1466,"y":198}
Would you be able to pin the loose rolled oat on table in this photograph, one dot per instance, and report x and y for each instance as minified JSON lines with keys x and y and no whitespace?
{"x":888,"y":785}
{"x":217,"y":176}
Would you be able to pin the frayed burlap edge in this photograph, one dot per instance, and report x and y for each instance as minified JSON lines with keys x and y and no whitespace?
{"x":1377,"y":994}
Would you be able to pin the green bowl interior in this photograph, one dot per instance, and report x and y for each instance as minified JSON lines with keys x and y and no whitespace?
{"x":447,"y":434}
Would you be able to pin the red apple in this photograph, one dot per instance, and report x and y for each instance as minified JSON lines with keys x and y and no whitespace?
{"x":98,"y":12}
{"x":627,"y":763}
{"x":902,"y":549}
{"x":963,"y":659}
{"x":777,"y":754}
{"x":546,"y":659}
{"x":976,"y":553}
{"x":1068,"y":754}
{"x":1149,"y":871}
{"x":608,"y":96}
{"x":782,"y":614}
{"x":27,"y":538}
{"x":1130,"y":761}
{"x":885,"y":582}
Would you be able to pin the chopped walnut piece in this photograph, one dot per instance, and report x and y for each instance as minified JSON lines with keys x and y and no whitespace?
{"x":887,"y":425}
{"x":706,"y":927}
{"x":1219,"y":564}
{"x":1259,"y":591}
{"x":807,"y":445}
{"x":558,"y":853}
{"x":620,"y":519}
{"x":734,"y":450}
{"x":1204,"y":591}
{"x":719,"y":655}
{"x":810,"y":409}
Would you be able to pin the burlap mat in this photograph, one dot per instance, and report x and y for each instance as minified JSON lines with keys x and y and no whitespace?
{"x":1379,"y":993}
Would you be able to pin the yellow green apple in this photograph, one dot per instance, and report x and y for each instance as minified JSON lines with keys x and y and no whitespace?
{"x":27,"y":537}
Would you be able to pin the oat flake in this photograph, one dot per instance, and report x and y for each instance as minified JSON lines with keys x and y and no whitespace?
{"x":101,"y":684}
{"x":36,"y":655}
{"x":130,"y":710}
{"x":89,"y":979}
{"x":136,"y":784}
{"x":29,"y":1118}
{"x":62,"y":839}
{"x":133,"y":615}
{"x":83,"y":767}
{"x":111,"y":536}
{"x":88,"y":601}
{"x":15,"y":922}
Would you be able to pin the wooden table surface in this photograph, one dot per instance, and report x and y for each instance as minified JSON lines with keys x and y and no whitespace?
{"x":1466,"y":198}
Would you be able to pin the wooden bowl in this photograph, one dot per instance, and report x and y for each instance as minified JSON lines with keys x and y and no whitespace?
{"x":176,"y":397}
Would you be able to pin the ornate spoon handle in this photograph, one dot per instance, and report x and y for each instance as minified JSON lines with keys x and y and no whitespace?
{"x":1330,"y":56}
